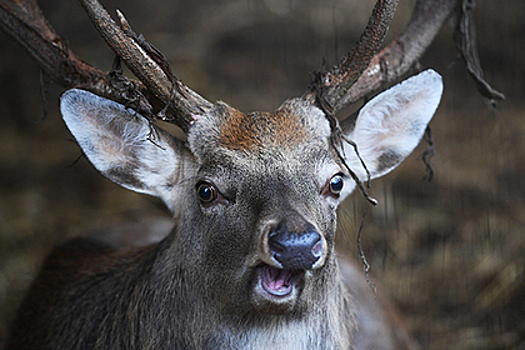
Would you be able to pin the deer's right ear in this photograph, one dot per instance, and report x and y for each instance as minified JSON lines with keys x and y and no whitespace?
{"x":123,"y":145}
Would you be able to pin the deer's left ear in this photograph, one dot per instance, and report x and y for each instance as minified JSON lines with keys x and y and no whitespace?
{"x":391,"y":125}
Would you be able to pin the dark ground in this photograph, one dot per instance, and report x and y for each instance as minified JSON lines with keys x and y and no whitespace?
{"x":451,"y":252}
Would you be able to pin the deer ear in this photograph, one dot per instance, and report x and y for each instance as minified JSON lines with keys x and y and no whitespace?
{"x":122,"y":144}
{"x":390,"y":126}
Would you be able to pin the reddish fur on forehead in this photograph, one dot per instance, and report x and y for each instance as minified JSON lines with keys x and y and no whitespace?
{"x":261,"y":129}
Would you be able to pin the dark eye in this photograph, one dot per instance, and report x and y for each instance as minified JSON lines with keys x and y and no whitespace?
{"x":336,"y":185}
{"x":206,"y":192}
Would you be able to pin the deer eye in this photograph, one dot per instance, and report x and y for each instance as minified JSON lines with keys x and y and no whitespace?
{"x":207,"y":192}
{"x":336,"y":185}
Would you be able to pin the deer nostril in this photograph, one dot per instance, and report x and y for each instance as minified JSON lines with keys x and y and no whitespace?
{"x":317,"y":249}
{"x":277,"y":246}
{"x":295,"y":250}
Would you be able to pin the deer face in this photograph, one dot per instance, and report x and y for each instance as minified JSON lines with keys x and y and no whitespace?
{"x":255,"y":194}
{"x":267,"y":188}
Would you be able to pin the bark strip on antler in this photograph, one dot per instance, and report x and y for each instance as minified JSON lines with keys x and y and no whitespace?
{"x":465,"y":37}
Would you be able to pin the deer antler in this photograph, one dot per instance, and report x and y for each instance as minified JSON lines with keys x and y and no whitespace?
{"x":157,"y":90}
{"x":359,"y":75}
{"x":402,"y":53}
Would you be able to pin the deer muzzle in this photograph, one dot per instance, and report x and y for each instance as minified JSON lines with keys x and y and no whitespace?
{"x":287,"y":250}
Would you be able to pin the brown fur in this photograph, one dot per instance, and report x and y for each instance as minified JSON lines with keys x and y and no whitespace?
{"x":260,"y":129}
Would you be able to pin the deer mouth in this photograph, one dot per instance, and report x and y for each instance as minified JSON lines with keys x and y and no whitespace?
{"x":276,"y":290}
{"x":278,"y":283}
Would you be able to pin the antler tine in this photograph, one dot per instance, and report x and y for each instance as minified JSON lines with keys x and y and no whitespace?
{"x":149,"y":66}
{"x":329,"y":87}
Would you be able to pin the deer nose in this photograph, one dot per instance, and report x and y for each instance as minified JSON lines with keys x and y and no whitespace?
{"x":296,"y":251}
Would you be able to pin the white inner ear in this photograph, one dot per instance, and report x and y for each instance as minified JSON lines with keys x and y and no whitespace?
{"x":120,"y":143}
{"x":106,"y":132}
{"x":391,"y":125}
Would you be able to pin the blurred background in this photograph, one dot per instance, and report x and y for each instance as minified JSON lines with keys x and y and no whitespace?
{"x":451,"y":252}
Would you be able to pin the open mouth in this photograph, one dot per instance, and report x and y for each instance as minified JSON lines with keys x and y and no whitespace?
{"x":278,"y":283}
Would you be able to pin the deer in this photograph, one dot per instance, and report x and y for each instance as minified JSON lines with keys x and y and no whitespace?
{"x":251,"y":262}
